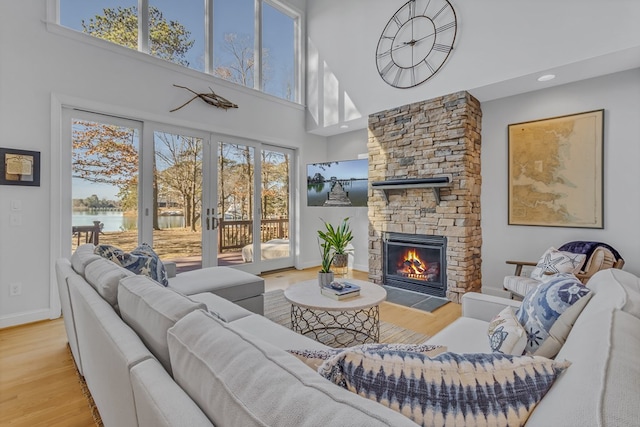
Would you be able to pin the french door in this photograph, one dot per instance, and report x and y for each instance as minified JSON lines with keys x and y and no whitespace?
{"x":253,"y":204}
{"x":199,"y":199}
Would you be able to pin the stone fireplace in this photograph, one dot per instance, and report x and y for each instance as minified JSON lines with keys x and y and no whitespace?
{"x":424,"y":170}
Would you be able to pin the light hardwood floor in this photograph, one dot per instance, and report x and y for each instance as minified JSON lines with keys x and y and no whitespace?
{"x":39,"y":385}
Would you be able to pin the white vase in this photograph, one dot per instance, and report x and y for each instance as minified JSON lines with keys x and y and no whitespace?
{"x":324,"y":279}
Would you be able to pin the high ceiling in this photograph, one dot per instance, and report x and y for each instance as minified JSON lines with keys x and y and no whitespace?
{"x":501,"y":49}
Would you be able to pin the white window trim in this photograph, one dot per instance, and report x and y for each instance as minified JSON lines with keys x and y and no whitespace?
{"x":53,"y":26}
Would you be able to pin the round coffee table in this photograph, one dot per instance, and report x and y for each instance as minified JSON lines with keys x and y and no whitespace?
{"x":336,"y":323}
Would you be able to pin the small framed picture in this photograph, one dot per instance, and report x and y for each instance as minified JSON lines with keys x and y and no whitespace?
{"x":19,"y":167}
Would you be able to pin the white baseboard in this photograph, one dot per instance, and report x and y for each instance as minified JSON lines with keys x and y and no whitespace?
{"x":24,"y":317}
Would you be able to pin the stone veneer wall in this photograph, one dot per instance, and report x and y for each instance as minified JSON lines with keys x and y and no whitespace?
{"x":439,"y":137}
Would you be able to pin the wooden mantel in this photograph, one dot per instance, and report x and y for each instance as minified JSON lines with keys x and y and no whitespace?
{"x":401,"y":184}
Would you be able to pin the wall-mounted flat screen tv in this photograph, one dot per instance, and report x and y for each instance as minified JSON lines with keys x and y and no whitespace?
{"x":338,"y":184}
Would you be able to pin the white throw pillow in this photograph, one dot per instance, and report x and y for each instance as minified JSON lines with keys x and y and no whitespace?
{"x":506,"y":334}
{"x":554,"y":261}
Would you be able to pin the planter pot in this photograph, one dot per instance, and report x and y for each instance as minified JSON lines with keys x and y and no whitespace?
{"x":340,"y":260}
{"x":325,"y":278}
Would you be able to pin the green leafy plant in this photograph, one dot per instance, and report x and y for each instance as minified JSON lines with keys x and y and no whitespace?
{"x":333,"y":241}
{"x":327,"y":256}
{"x":337,"y":237}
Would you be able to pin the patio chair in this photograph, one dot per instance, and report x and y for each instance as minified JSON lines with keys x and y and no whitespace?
{"x":581,"y":258}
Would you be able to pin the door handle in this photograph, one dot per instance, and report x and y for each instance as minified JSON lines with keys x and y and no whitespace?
{"x":216,"y":223}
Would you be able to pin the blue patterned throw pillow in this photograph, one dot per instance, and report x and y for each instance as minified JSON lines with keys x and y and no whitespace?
{"x":315,"y":358}
{"x":110,"y":252}
{"x":141,"y":260}
{"x":543,"y":306}
{"x":144,"y":260}
{"x":490,"y":389}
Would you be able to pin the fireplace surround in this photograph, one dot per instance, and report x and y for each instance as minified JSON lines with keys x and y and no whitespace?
{"x":412,"y":149}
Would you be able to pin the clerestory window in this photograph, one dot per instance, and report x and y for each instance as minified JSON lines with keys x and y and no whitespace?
{"x":254,"y":43}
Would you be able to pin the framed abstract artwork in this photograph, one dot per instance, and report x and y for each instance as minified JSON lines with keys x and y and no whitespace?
{"x":19,"y":167}
{"x":555,"y":171}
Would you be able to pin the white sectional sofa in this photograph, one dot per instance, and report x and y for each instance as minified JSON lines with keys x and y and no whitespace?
{"x":158,"y":358}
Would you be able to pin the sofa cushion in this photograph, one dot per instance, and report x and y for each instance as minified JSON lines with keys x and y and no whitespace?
{"x":223,"y":309}
{"x":226,"y":282}
{"x":104,"y":276}
{"x":601,"y":386}
{"x":554,"y":261}
{"x":240,"y":380}
{"x":464,"y":335}
{"x":315,"y":358}
{"x":541,"y":308}
{"x":614,"y":289}
{"x":448,"y":389}
{"x":160,"y":402}
{"x":277,"y":335}
{"x":506,"y":334}
{"x":150,"y":310}
{"x":82,"y":256}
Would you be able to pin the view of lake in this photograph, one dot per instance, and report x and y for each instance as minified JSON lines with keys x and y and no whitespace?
{"x":116,"y":221}
{"x":357,"y":190}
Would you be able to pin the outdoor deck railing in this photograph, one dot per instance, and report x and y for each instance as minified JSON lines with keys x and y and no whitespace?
{"x":236,"y":234}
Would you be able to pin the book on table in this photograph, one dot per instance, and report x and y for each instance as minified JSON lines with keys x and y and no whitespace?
{"x":341,"y":290}
{"x":339,"y":297}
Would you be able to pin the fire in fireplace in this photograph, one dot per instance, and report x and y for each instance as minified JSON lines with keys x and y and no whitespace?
{"x":415,"y":262}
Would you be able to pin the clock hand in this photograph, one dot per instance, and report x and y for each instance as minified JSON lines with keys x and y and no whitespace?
{"x":400,"y":46}
{"x":411,"y":42}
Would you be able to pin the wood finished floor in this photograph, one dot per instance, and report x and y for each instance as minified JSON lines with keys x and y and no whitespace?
{"x":39,"y":385}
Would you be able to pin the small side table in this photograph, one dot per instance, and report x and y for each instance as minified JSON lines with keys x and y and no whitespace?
{"x":336,"y":323}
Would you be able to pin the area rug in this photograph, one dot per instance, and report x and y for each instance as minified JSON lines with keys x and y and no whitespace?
{"x":278,"y":310}
{"x":414,"y":299}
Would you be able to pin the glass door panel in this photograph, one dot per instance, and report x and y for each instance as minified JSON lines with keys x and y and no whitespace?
{"x":177,"y":199}
{"x":104,"y":183}
{"x":275,"y":201}
{"x":236,"y":191}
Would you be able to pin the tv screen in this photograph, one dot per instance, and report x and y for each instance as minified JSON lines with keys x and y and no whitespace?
{"x":336,"y":184}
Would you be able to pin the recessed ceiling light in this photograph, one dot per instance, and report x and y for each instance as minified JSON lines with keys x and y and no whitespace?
{"x":546,"y":77}
{"x":344,"y":126}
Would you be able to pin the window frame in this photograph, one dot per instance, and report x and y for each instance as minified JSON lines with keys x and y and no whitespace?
{"x":53,"y":17}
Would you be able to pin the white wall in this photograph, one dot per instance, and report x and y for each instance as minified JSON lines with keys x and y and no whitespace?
{"x":619,"y":95}
{"x":496,"y":41}
{"x":40,"y":67}
{"x":349,"y":146}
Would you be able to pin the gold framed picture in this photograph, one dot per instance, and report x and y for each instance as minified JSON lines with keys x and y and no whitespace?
{"x":555,"y":171}
{"x":19,"y":167}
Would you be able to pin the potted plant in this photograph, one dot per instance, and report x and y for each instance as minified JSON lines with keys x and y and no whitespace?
{"x":338,"y":238}
{"x":325,"y":275}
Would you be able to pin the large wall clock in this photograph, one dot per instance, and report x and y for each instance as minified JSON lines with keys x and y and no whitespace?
{"x":416,"y":42}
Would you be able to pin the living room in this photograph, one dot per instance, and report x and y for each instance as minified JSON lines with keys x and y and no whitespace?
{"x":596,"y":68}
{"x":499,"y":53}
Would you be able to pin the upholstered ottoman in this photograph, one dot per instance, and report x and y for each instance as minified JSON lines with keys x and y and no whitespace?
{"x":242,"y":288}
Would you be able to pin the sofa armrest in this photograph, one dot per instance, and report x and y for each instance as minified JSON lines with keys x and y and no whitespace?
{"x":483,"y":306}
{"x":170,"y":267}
